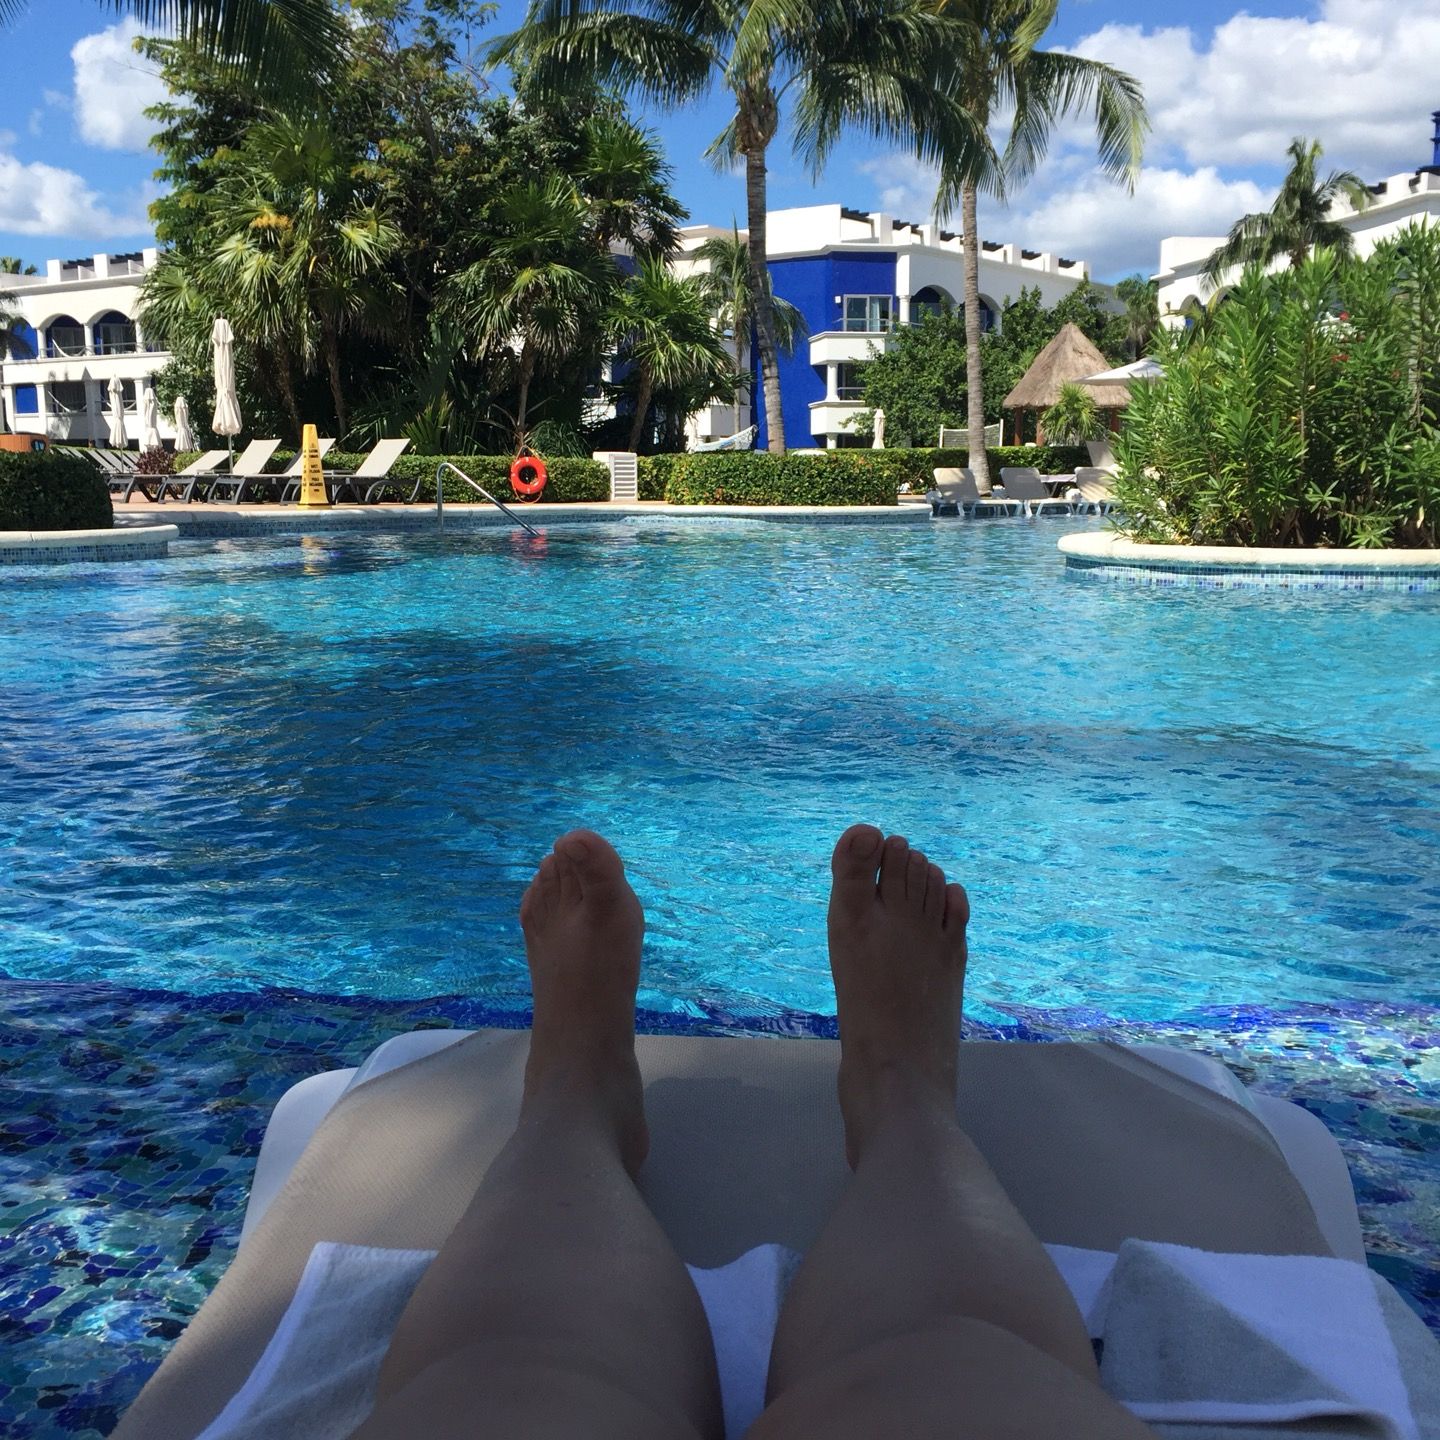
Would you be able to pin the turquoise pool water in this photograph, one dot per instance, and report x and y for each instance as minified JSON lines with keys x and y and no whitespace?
{"x":266,"y":802}
{"x":331,"y":764}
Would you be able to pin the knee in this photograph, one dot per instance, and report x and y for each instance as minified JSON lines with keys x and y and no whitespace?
{"x":958,"y":1377}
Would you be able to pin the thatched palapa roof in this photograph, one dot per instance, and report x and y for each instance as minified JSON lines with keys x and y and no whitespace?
{"x":1069,"y":357}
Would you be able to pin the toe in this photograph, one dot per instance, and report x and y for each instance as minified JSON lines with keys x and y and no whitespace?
{"x":894,"y":863}
{"x":935,"y":893}
{"x":595,"y":862}
{"x":917,"y":870}
{"x":567,"y":877}
{"x":541,"y":895}
{"x":857,"y":854}
{"x":957,"y":908}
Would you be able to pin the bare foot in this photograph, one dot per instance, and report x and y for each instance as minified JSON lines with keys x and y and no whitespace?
{"x":897,"y":950}
{"x":583,"y":928}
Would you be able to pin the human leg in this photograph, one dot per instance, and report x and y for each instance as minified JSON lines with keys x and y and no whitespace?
{"x":557,"y":1306}
{"x":927,"y":1306}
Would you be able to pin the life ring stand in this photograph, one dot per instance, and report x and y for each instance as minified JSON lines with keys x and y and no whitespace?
{"x":528,"y":475}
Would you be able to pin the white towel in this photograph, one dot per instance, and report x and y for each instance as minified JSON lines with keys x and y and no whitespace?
{"x":1191,"y":1340}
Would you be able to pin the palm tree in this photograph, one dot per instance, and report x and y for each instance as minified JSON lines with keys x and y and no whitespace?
{"x":728,"y":288}
{"x":281,"y":47}
{"x":622,"y":174}
{"x":296,"y":218}
{"x":1141,"y":298}
{"x":527,"y":302}
{"x":663,"y":324}
{"x":997,"y":66}
{"x":1299,"y":220}
{"x":871,"y":63}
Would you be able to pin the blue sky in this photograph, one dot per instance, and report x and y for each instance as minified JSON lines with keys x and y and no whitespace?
{"x":1228,"y":86}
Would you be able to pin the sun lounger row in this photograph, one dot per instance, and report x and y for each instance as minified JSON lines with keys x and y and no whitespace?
{"x":1024,"y":493}
{"x":204,"y":479}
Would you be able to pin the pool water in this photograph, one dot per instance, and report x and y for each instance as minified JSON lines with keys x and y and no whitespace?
{"x":301,"y":783}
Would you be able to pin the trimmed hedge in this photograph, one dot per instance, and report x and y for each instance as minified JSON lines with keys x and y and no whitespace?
{"x":749,"y":477}
{"x":52,"y":491}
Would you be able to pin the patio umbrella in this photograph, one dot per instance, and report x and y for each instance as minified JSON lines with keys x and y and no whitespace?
{"x":1142,"y":369}
{"x":879,"y":441}
{"x":150,"y":420}
{"x":117,"y":413}
{"x":227,"y":402}
{"x":184,"y":435}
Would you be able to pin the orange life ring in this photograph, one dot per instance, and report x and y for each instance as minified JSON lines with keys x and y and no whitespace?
{"x":528,"y":476}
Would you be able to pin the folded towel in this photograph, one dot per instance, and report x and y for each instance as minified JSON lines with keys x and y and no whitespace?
{"x":1196,"y":1344}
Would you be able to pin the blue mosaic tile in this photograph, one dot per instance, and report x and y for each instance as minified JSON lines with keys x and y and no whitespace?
{"x":1387,"y":580}
{"x":130,"y":1121}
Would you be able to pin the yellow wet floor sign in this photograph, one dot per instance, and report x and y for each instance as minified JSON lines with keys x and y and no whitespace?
{"x":312,"y":473}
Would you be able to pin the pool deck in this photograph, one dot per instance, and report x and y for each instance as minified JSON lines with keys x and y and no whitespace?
{"x":209,"y":521}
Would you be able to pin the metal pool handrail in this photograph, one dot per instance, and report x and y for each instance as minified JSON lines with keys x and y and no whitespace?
{"x":479,"y":489}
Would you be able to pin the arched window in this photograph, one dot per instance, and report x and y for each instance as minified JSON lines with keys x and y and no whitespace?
{"x":932,"y":300}
{"x":64,"y":335}
{"x":114,"y":334}
{"x":24,"y":343}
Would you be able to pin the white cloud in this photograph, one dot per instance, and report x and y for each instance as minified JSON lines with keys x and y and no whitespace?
{"x":38,"y":199}
{"x":113,"y":87}
{"x":1358,"y":76}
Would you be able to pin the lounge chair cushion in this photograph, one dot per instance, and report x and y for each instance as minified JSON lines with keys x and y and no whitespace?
{"x":1094,"y":1143}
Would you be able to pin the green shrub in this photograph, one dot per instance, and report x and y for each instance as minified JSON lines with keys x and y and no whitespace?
{"x":51,"y":491}
{"x":655,"y":473}
{"x":155,"y":461}
{"x":748,"y":477}
{"x":1304,"y":413}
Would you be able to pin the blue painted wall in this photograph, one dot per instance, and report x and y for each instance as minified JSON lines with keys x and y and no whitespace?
{"x":811,"y":283}
{"x":27,"y":400}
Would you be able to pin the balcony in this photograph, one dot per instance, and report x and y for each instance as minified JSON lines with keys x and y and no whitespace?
{"x":846,"y":347}
{"x":832,"y":417}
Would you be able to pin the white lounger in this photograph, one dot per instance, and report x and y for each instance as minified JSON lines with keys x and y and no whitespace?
{"x":1096,"y":1144}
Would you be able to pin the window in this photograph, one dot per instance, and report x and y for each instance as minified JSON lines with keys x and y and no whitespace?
{"x":67,"y":397}
{"x":114,"y":335}
{"x":27,"y":400}
{"x":66,"y":337}
{"x":849,"y":383}
{"x":867,"y":313}
{"x":23,"y":342}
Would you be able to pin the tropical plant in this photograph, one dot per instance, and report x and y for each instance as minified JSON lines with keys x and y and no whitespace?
{"x":526,"y":302}
{"x":1298,"y":222}
{"x":1141,"y":299}
{"x":1304,"y":415}
{"x":873,"y":63}
{"x":729,"y":290}
{"x":664,"y":330}
{"x":996,"y":68}
{"x":622,"y":175}
{"x":1074,"y":418}
{"x":277,"y":47}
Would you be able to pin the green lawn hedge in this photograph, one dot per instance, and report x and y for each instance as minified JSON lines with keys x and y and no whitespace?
{"x":51,"y":491}
{"x":750,"y":477}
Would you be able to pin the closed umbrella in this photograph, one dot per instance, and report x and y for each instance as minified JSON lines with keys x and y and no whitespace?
{"x":879,"y":441}
{"x":184,"y":435}
{"x":117,"y":413}
{"x":227,"y":402}
{"x":150,"y":420}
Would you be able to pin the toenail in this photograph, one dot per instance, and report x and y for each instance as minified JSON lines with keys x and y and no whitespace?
{"x":574,"y":847}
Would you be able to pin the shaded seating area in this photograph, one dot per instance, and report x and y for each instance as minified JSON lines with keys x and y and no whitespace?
{"x":1069,"y":359}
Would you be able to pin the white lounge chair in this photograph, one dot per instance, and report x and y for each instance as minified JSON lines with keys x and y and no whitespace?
{"x":956,"y":486}
{"x":1023,"y":483}
{"x":1102,"y":457}
{"x":249,"y":470}
{"x":290,"y":477}
{"x":365,"y":481}
{"x":1096,"y":494}
{"x":197,"y":473}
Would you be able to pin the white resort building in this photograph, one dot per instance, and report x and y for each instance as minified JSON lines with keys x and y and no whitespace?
{"x":77,"y":331}
{"x":1394,"y":203}
{"x":856,"y":277}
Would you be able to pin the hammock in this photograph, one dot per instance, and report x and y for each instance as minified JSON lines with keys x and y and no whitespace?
{"x":743,"y":441}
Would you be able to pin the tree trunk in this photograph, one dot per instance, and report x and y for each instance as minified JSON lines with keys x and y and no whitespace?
{"x":337,"y":395}
{"x":286,"y":383}
{"x":743,"y":390}
{"x":974,"y":377}
{"x":527,"y":369}
{"x":764,"y":304}
{"x":642,"y":405}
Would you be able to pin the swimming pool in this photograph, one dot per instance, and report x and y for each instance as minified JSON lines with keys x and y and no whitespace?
{"x":268,"y":800}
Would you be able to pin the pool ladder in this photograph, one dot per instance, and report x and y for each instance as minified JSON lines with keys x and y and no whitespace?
{"x":479,"y":489}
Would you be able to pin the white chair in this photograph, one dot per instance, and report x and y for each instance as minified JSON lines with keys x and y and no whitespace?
{"x":1093,"y":485}
{"x":956,"y":486}
{"x":1102,"y":457}
{"x":1023,"y":483}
